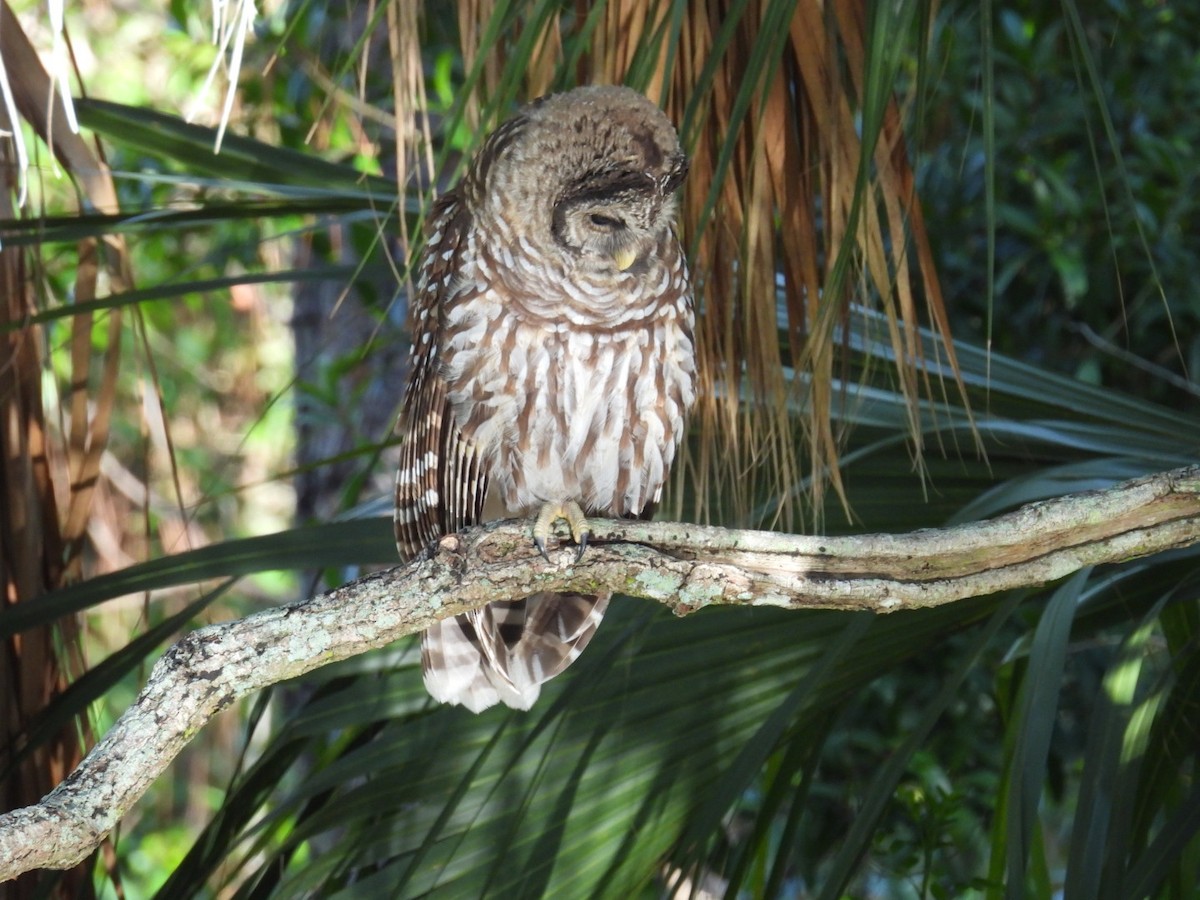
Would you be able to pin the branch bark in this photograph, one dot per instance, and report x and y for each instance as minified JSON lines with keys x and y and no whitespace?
{"x":686,"y":567}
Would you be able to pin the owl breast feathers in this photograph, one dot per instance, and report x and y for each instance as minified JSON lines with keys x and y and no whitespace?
{"x":553,"y":364}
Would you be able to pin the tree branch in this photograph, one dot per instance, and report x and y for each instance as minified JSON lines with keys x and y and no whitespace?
{"x":684,"y":566}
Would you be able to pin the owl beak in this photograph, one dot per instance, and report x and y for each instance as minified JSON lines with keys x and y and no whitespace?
{"x":624,"y":258}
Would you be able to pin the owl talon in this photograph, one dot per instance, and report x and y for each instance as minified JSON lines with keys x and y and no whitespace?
{"x":570,"y":512}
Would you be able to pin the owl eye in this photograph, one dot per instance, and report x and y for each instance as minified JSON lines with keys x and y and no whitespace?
{"x":602,"y":221}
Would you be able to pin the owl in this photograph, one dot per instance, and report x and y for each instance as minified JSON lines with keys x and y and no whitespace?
{"x":553,"y":365}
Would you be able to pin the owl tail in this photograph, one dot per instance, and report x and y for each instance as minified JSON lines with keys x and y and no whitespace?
{"x":503,"y":652}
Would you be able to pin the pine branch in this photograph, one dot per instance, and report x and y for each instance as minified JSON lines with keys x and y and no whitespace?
{"x":686,"y":567}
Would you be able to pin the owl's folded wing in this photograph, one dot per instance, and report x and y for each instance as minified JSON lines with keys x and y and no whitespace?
{"x":440,"y":484}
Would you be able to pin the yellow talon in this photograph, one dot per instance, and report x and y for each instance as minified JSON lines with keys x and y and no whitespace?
{"x":569,"y":511}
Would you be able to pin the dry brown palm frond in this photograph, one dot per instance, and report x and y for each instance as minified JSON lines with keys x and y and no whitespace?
{"x":49,"y":491}
{"x":800,"y":136}
{"x":791,"y":220}
{"x":473,"y":19}
{"x":545,"y":57}
{"x":414,"y":143}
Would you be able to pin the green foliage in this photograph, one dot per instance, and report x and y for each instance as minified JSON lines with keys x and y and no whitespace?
{"x":1095,"y":168}
{"x":1007,"y":746}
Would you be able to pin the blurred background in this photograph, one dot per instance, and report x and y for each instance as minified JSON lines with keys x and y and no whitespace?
{"x":944,"y":259}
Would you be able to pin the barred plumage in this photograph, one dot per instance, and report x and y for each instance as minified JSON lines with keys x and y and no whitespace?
{"x":553,"y":364}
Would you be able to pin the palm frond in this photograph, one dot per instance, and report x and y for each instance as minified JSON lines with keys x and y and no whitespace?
{"x":781,"y":180}
{"x":49,"y":490}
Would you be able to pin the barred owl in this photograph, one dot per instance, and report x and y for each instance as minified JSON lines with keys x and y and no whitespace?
{"x":553,"y":365}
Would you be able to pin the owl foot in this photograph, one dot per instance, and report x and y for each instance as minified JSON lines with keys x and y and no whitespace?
{"x":569,"y":511}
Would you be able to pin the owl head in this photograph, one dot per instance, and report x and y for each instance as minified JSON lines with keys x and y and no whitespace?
{"x":589,"y":175}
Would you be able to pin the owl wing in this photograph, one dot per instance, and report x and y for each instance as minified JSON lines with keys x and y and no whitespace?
{"x":440,"y":483}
